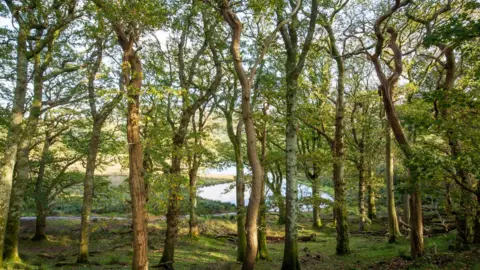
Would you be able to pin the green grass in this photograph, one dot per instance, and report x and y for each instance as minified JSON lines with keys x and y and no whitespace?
{"x":110,"y":244}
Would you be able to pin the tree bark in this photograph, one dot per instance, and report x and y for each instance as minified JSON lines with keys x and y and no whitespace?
{"x":372,"y":209}
{"x":262,"y":218}
{"x":340,"y":207}
{"x":22,"y":167}
{"x":14,"y":132}
{"x":132,"y":79}
{"x":417,"y":246}
{"x":361,"y":193}
{"x":88,"y":192}
{"x":317,"y":220}
{"x":386,"y":87}
{"x":41,"y":196}
{"x":193,"y":221}
{"x":393,"y":228}
{"x":476,"y":223}
{"x":257,"y":170}
{"x":240,"y":194}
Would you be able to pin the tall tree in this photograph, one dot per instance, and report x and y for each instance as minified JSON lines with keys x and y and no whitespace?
{"x":339,"y":208}
{"x":180,"y":131}
{"x":294,"y":65}
{"x":99,"y":115}
{"x":246,"y":81}
{"x":386,"y":87}
{"x":234,"y":133}
{"x":47,"y":29}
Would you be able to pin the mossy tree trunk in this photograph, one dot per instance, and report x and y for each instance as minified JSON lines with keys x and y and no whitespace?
{"x":180,"y":131}
{"x":372,"y":209}
{"x":294,"y":64}
{"x":14,"y":132}
{"x":337,"y":145}
{"x":262,"y":216}
{"x":386,"y":88}
{"x":393,"y":228}
{"x":361,"y":193}
{"x":317,"y":220}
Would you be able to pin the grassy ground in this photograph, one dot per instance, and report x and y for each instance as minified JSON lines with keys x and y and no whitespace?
{"x":111,"y":249}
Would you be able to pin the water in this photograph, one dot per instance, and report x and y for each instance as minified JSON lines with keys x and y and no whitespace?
{"x":226,"y":193}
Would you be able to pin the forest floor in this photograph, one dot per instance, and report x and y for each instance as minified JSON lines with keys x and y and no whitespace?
{"x":110,"y":247}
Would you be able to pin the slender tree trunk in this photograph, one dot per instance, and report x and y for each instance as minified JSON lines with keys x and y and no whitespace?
{"x":14,"y":132}
{"x":372,"y":209}
{"x":22,"y":166}
{"x":171,"y":232}
{"x":340,"y":205}
{"x":193,"y":222}
{"x":257,"y":170}
{"x":417,"y":246}
{"x":317,"y":220}
{"x":282,"y":211}
{"x":132,"y":72}
{"x":41,"y":196}
{"x":393,"y":229}
{"x":290,"y":255}
{"x":476,"y":226}
{"x":262,"y":229}
{"x":262,"y":217}
{"x":462,"y":216}
{"x":448,"y":196}
{"x":361,"y":194}
{"x":240,"y":194}
{"x":88,"y":192}
{"x":406,"y":208}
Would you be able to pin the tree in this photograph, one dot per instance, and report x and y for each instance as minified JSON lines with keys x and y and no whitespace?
{"x":187,"y":111}
{"x":48,"y":29}
{"x":386,"y":87}
{"x":294,"y":65}
{"x":339,"y":207}
{"x":235,"y":137}
{"x":98,"y":116}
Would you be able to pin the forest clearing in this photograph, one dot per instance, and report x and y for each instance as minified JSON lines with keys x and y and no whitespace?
{"x":256,"y":134}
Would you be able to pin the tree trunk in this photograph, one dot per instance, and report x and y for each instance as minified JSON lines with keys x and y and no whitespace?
{"x":476,"y":226}
{"x":174,"y":180}
{"x":193,"y":222}
{"x":406,"y":208}
{"x":22,"y":166}
{"x":361,"y":194}
{"x":282,"y":211}
{"x":372,"y":209}
{"x":41,"y":196}
{"x":340,"y":205}
{"x":257,"y":170}
{"x":262,"y":229}
{"x":393,"y":229}
{"x":88,"y":192}
{"x":132,"y":73}
{"x":290,"y":255}
{"x":240,"y":193}
{"x":417,"y":247}
{"x":14,"y":132}
{"x":317,"y":220}
{"x":262,"y":217}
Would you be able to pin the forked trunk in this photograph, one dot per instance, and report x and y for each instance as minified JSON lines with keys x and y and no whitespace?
{"x":22,"y":167}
